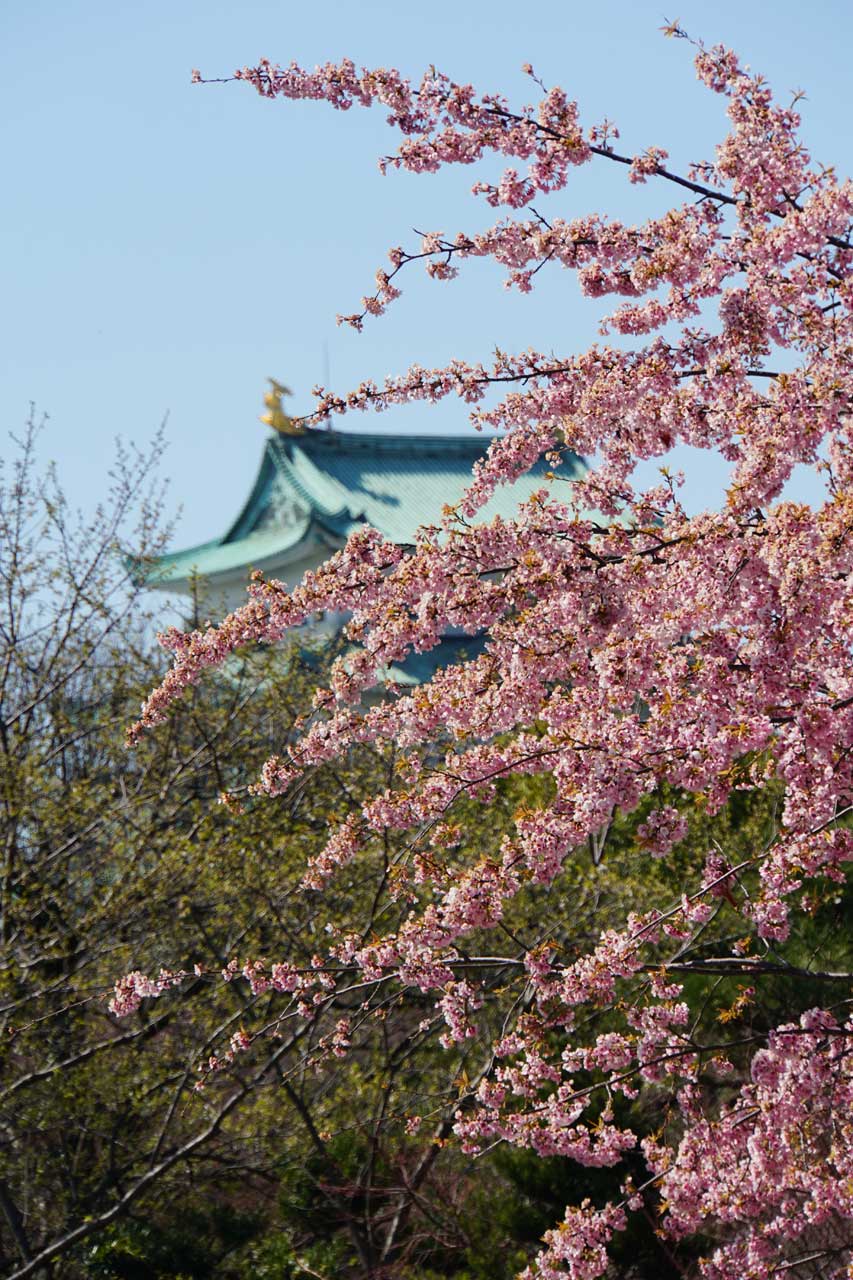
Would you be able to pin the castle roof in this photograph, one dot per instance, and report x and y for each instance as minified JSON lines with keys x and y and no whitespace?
{"x":315,"y":488}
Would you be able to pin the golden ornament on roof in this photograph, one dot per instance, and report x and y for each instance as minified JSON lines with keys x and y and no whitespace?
{"x":275,"y":416}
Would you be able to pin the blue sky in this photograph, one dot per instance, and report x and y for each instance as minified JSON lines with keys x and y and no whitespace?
{"x":167,"y":246}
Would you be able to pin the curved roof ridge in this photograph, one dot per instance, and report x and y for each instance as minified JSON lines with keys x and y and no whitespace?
{"x":244,"y":521}
{"x":322,"y":440}
{"x":320,"y":490}
{"x":219,"y":556}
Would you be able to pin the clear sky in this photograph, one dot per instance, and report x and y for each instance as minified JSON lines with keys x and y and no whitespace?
{"x":167,"y":246}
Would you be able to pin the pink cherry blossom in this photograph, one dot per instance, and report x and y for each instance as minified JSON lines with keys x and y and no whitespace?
{"x":631,"y":652}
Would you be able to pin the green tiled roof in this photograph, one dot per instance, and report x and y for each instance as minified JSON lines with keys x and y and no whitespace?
{"x":220,"y":556}
{"x":331,"y":482}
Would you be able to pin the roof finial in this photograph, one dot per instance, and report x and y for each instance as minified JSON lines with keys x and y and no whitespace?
{"x":276,"y":416}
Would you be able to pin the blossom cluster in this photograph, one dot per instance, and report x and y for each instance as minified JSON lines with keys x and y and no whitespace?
{"x":629,"y":654}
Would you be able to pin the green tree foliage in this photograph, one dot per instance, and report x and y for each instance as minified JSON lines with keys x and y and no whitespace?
{"x":289,"y":1162}
{"x":114,"y":860}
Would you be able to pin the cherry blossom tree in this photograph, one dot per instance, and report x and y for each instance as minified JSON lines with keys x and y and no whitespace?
{"x":638,"y":661}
